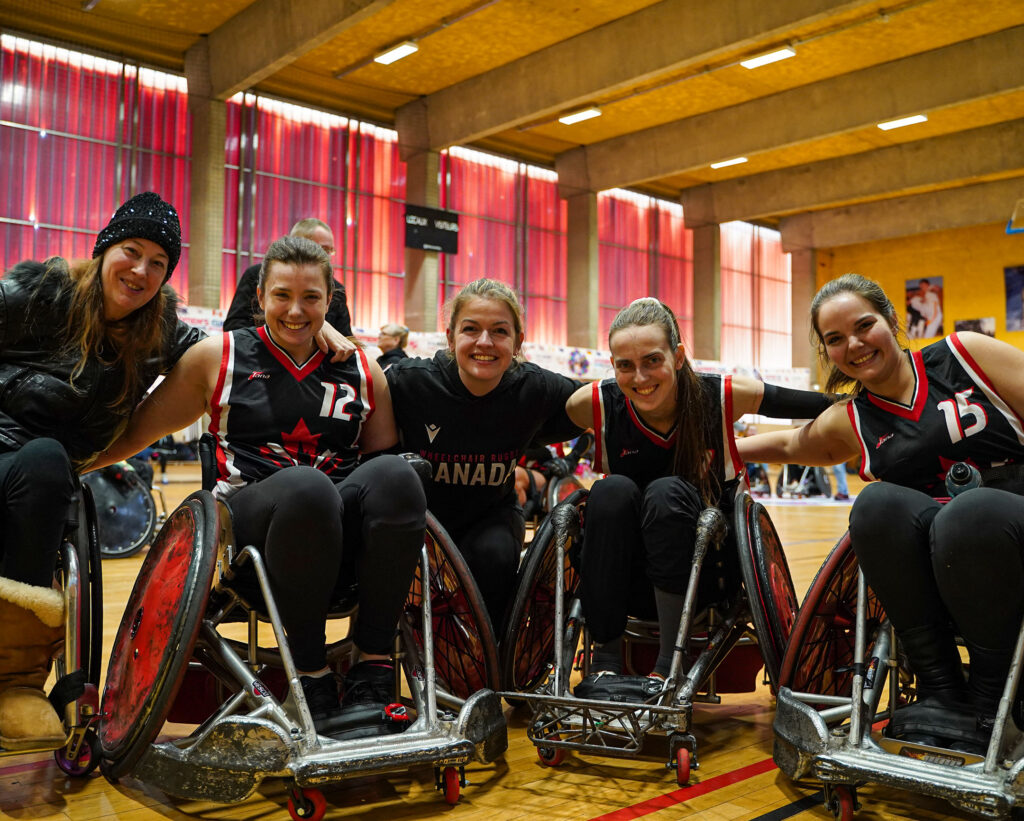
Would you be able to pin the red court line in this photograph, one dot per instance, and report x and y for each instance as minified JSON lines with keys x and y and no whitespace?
{"x":686,"y":793}
{"x":23,"y":768}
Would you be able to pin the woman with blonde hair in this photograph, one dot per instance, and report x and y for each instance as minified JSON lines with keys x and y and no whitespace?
{"x":471,"y":412}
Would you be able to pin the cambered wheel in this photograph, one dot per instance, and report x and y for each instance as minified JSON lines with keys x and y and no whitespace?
{"x":683,"y":767}
{"x":452,"y":785}
{"x":821,"y":646}
{"x":528,"y":644}
{"x":465,"y":650}
{"x":157,"y":633}
{"x":126,"y":512}
{"x":87,"y":759}
{"x":551,"y":756}
{"x":307,"y":804}
{"x":769,"y":584}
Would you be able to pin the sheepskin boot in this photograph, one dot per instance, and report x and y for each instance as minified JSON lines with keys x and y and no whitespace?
{"x":31,"y":631}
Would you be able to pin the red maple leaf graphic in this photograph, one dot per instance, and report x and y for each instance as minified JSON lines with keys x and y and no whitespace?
{"x":300,"y":440}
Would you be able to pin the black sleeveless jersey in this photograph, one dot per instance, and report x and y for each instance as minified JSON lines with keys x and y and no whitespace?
{"x":474,"y":442}
{"x":629,"y":446}
{"x":268,"y":412}
{"x":956,"y":415}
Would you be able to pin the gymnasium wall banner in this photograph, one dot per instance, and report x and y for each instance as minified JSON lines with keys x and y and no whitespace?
{"x":924,"y":307}
{"x":430,"y":229}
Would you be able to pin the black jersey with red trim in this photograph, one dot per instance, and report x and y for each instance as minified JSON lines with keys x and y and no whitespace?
{"x":629,"y":446}
{"x":269,"y":412}
{"x":956,"y":415}
{"x":474,"y":442}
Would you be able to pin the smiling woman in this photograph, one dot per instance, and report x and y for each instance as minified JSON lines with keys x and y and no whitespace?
{"x":472,"y":411}
{"x":79,"y":345}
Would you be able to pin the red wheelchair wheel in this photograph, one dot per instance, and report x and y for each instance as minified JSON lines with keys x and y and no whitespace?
{"x":157,"y":633}
{"x":310,"y":804}
{"x":682,"y":767}
{"x":465,"y":651}
{"x":821,"y":648}
{"x":769,"y":584}
{"x":452,"y":785}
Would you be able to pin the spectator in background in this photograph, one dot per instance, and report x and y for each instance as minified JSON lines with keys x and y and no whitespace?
{"x":842,"y":493}
{"x":244,"y":304}
{"x":392,"y":341}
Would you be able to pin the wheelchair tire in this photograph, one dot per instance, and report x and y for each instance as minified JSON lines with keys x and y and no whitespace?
{"x":769,"y":584}
{"x":89,"y":619}
{"x":559,"y":490}
{"x":125,"y":510}
{"x":529,"y":640}
{"x":465,"y":650}
{"x":157,"y":633}
{"x":821,"y":647}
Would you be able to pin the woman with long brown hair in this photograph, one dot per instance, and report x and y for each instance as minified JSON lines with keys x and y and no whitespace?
{"x":664,"y":437}
{"x":79,"y":345}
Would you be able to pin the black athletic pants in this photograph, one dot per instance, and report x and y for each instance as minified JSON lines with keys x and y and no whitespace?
{"x":932,"y":564}
{"x":634,"y":541}
{"x":317,"y":537}
{"x":37,"y":489}
{"x":491,"y":546}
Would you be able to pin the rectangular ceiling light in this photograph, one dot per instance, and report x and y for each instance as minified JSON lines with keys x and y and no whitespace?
{"x":395,"y":53}
{"x":580,"y":116}
{"x":770,"y":57}
{"x":727,"y":163}
{"x":889,"y":126}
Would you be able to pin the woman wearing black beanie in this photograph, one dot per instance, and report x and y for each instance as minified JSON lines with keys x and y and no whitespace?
{"x":79,"y":345}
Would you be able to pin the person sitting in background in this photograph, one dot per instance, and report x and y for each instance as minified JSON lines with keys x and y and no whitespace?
{"x":392,"y":341}
{"x":244,"y":303}
{"x":293,"y":430}
{"x":79,"y":345}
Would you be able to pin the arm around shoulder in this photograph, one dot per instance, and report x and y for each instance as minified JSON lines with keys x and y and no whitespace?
{"x":580,"y":407}
{"x":828,"y":440}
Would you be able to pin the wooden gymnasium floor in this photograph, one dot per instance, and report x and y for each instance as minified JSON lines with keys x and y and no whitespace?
{"x":736,"y":780}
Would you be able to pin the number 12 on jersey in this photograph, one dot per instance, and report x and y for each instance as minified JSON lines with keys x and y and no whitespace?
{"x":336,"y":397}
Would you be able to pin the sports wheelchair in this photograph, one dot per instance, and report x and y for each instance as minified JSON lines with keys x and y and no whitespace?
{"x":800,"y":481}
{"x":721,"y":645}
{"x":126,"y":509}
{"x":75,"y":695}
{"x":842,"y":678}
{"x":170,"y":662}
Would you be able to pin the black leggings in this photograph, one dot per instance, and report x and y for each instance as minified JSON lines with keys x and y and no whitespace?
{"x":491,"y":546}
{"x":931,"y":564}
{"x":634,"y":541}
{"x":317,"y":537}
{"x":37,"y":489}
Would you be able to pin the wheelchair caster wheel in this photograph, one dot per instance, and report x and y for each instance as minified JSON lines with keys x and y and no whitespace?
{"x":840,"y":801}
{"x":307,"y":804}
{"x":87,"y":759}
{"x":683,"y":767}
{"x":551,"y":756}
{"x":452,"y":785}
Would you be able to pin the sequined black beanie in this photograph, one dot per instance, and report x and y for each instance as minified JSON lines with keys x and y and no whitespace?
{"x":147,"y":216}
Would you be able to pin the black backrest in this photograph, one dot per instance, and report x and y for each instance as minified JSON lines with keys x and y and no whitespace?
{"x":208,"y":460}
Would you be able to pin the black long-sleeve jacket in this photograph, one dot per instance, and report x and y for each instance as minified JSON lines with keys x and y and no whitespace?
{"x":37,"y":397}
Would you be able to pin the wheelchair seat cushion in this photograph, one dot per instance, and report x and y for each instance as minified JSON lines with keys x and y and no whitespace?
{"x":607,"y":687}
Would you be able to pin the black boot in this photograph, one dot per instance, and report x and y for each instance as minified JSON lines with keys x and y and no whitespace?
{"x":935,"y":660}
{"x":988,"y":670}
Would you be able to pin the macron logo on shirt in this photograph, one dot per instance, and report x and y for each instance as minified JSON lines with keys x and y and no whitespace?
{"x":432,"y":431}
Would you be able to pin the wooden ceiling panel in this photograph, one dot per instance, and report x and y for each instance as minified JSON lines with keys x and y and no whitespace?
{"x":470,"y":42}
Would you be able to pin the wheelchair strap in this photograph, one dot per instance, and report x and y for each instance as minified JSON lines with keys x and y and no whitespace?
{"x":67,"y":689}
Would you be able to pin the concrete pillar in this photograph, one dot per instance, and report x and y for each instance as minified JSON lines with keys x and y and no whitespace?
{"x":804,"y":286}
{"x":206,"y":221}
{"x":582,"y":320}
{"x":707,"y":292}
{"x":421,"y":267}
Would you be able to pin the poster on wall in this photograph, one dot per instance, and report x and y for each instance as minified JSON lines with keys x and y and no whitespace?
{"x":1013,"y":277}
{"x":924,"y":307}
{"x":986,"y":325}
